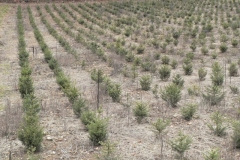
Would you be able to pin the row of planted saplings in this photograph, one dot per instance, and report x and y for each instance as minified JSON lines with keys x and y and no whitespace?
{"x":30,"y":132}
{"x":96,"y":126}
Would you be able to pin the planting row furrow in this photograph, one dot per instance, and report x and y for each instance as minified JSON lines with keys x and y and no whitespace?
{"x":10,"y":97}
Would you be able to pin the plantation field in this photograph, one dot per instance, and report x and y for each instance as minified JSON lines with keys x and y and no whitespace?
{"x":156,"y":79}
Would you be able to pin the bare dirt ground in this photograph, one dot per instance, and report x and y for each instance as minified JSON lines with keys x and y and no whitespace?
{"x":65,"y":135}
{"x":10,"y":100}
